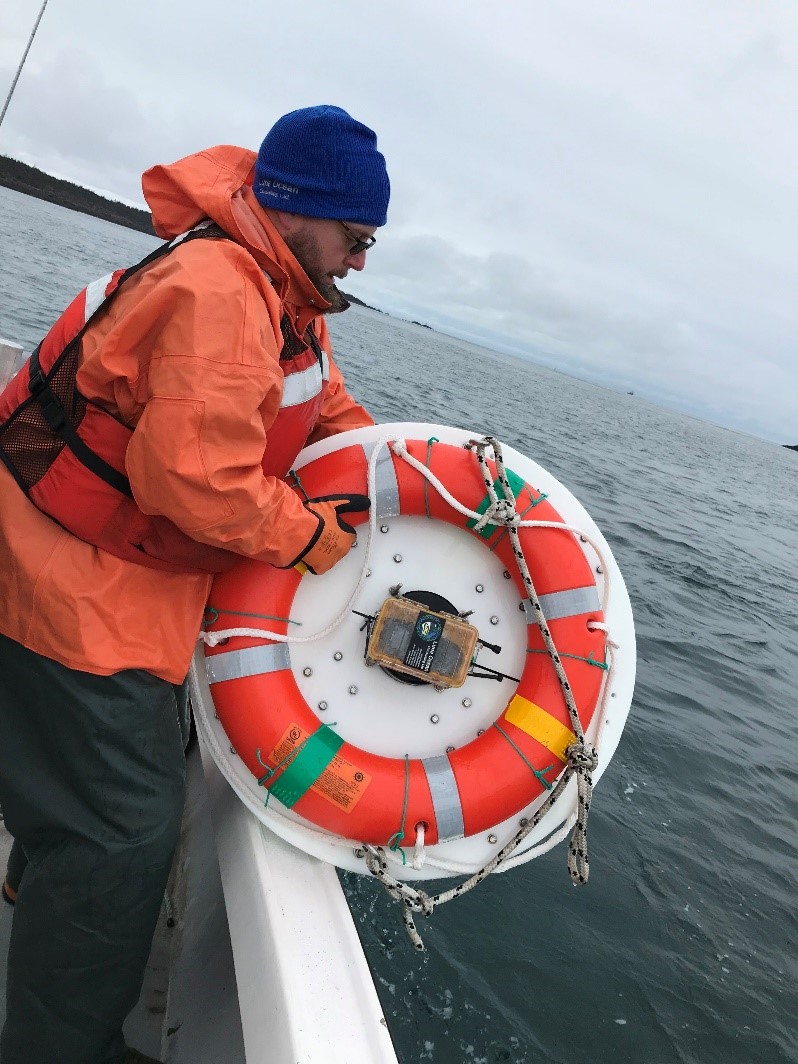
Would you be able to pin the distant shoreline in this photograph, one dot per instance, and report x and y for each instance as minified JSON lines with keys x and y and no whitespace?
{"x":32,"y":182}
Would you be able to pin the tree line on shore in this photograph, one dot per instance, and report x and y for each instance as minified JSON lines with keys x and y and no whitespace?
{"x":32,"y":182}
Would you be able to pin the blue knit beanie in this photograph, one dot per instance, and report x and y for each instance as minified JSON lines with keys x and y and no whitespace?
{"x":320,"y":162}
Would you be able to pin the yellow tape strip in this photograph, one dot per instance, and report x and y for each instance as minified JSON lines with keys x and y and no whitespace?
{"x":301,"y":568}
{"x":535,"y":721}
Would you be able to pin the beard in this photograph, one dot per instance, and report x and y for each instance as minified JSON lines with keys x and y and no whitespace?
{"x":305,"y":249}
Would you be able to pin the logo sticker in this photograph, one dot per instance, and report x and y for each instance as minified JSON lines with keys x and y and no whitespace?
{"x":428,"y":628}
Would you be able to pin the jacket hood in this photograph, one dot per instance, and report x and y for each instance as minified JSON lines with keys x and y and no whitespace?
{"x":200,"y":186}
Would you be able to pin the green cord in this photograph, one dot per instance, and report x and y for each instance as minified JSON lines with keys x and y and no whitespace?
{"x":214,"y":616}
{"x":272,"y":771}
{"x":430,"y":441}
{"x":589,"y":660}
{"x":538,"y":773}
{"x":395,"y":840}
{"x":522,"y":515}
{"x":298,"y":483}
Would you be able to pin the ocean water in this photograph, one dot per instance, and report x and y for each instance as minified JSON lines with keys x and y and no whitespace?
{"x":683,"y":947}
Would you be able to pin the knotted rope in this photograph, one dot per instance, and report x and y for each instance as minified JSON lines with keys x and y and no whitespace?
{"x":581,"y":756}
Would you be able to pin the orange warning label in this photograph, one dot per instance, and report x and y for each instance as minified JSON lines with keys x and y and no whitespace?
{"x":340,"y":783}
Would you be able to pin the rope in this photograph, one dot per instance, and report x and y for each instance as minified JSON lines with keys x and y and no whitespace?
{"x":399,"y":448}
{"x":589,"y":660}
{"x":419,"y":853}
{"x":267,"y":775}
{"x":395,"y":841}
{"x":523,"y":512}
{"x":447,"y":867}
{"x":539,"y":773}
{"x":213,"y":612}
{"x":581,"y":756}
{"x":430,"y":441}
{"x":414,"y":899}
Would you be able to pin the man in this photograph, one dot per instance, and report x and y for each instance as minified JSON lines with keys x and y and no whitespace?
{"x":156,"y":460}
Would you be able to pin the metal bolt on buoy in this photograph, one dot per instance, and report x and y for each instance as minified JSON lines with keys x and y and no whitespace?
{"x":353,"y":690}
{"x":506,"y":574}
{"x":397,"y":557}
{"x":492,"y":839}
{"x":337,"y":655}
{"x":449,"y":749}
{"x":435,"y":718}
{"x":599,"y":569}
{"x":481,"y":731}
{"x":307,"y":671}
{"x":479,"y":588}
{"x":494,"y":619}
{"x":383,"y":528}
{"x":466,"y":702}
{"x":322,"y":706}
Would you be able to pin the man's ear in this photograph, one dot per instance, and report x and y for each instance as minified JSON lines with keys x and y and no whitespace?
{"x":284,"y":222}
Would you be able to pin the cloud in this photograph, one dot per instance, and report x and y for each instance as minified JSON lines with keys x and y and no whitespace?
{"x":606,"y":189}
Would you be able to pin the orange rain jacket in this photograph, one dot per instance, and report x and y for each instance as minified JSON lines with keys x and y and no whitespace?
{"x":188,"y":353}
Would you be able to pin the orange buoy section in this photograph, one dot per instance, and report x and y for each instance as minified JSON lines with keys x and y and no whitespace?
{"x":366,"y":797}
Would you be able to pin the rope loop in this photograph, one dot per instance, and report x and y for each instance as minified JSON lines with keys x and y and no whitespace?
{"x":419,"y":853}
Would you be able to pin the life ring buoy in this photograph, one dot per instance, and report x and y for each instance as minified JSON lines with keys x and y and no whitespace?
{"x":366,"y":797}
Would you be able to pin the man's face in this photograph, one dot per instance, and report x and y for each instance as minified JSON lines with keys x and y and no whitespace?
{"x":323,"y":248}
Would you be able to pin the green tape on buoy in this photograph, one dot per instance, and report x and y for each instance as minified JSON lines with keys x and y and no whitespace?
{"x":305,"y":768}
{"x":516,"y":483}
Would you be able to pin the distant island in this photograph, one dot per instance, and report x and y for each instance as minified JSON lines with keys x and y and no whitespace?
{"x":359,"y":302}
{"x":32,"y":182}
{"x":791,"y":446}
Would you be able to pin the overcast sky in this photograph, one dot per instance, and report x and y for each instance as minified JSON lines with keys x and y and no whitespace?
{"x":606,"y":187}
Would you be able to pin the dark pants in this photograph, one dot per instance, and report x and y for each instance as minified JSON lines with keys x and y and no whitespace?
{"x":91,"y":785}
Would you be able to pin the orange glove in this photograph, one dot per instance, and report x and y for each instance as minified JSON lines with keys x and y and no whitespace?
{"x":334,"y":537}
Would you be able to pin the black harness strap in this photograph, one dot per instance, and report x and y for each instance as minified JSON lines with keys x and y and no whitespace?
{"x":55,"y":416}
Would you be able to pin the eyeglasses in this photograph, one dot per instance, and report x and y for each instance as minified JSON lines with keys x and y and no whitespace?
{"x":359,"y":244}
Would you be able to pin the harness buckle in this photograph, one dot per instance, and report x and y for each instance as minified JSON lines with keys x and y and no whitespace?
{"x":37,"y":383}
